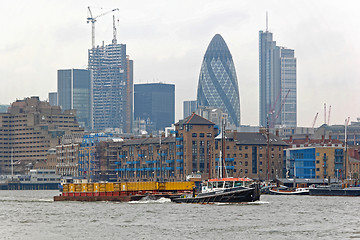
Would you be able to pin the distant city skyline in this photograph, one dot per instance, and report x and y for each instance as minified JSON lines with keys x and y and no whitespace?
{"x":167,"y":45}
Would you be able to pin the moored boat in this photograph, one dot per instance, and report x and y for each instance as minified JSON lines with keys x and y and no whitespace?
{"x":297,"y":191}
{"x":224,"y":190}
{"x":334,"y":190}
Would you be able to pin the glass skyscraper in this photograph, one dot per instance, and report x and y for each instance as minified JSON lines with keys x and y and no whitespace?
{"x":155,"y":103}
{"x":277,"y":83}
{"x":74,"y":92}
{"x":188,"y":108}
{"x":218,"y":86}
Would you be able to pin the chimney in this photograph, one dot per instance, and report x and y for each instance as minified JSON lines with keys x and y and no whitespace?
{"x":277,"y":132}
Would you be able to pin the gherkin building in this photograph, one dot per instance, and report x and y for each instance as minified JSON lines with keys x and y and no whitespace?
{"x":218,"y":86}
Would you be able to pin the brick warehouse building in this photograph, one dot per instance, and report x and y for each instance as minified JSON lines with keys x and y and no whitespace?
{"x":246,"y":155}
{"x":194,"y":150}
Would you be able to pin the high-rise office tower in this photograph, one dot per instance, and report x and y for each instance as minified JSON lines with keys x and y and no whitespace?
{"x":155,"y":103}
{"x":188,"y":108}
{"x":112,"y":87}
{"x":53,"y":98}
{"x":277,"y":81}
{"x":218,"y":86}
{"x":74,"y":92}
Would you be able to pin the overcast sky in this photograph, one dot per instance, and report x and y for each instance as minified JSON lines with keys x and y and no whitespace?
{"x":168,"y":39}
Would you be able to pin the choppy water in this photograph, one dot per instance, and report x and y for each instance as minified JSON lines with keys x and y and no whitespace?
{"x":33,"y":215}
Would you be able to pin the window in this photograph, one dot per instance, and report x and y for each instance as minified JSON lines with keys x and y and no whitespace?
{"x":246,"y":163}
{"x":194,"y":135}
{"x":202,"y":135}
{"x":260,"y":155}
{"x":227,"y":147}
{"x":260,"y":163}
{"x":240,"y":163}
{"x":240,"y":148}
{"x":246,"y":171}
{"x":208,"y":135}
{"x":246,"y":147}
{"x":246,"y":155}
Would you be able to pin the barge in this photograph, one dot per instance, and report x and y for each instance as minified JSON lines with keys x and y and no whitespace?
{"x":123,"y":191}
{"x":335,"y":190}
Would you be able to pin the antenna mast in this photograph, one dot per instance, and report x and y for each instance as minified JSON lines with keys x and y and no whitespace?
{"x":266,"y":21}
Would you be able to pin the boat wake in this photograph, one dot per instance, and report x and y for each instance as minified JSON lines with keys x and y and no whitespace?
{"x":148,"y":199}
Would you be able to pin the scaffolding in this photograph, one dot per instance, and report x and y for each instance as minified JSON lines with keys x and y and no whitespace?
{"x":109,"y":83}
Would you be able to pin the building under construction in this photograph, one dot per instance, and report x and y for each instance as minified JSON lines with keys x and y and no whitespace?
{"x":112,"y":82}
{"x":112,"y":87}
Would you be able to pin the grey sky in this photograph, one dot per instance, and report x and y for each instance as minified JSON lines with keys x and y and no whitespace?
{"x":167,"y":41}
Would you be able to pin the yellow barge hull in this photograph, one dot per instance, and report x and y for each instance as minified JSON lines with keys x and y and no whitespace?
{"x":123,"y":191}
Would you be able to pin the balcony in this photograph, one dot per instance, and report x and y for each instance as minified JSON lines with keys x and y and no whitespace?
{"x":180,"y":160}
{"x":179,"y":153}
{"x":179,"y":139}
{"x":169,"y":161}
{"x":179,"y":168}
{"x":180,"y":146}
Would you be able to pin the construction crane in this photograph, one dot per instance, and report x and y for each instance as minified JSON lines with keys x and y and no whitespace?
{"x":313,"y":125}
{"x":93,"y":19}
{"x":272,"y":121}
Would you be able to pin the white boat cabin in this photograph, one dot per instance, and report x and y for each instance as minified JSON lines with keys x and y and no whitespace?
{"x":224,"y":183}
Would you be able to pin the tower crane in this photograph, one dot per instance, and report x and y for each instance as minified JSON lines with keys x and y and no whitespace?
{"x":279,"y":111}
{"x":328,"y":121}
{"x":93,"y":19}
{"x":315,"y":120}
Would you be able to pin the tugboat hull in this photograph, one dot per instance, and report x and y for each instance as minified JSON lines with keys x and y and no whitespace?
{"x":233,"y":196}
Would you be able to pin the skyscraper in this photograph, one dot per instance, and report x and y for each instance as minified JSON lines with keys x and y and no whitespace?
{"x":188,"y":108}
{"x":53,"y":98}
{"x":218,"y":86}
{"x":155,"y":103}
{"x":112,"y":86}
{"x":277,"y":81}
{"x":74,"y":92}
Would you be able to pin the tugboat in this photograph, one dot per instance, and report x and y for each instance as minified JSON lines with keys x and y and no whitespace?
{"x":224,"y":190}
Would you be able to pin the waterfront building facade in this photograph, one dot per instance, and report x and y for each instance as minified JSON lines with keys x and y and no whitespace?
{"x":29,"y":129}
{"x":218,"y":85}
{"x":67,"y":156}
{"x":192,"y":150}
{"x":74,"y":92}
{"x":277,"y":83}
{"x":250,"y":154}
{"x":322,"y":162}
{"x":188,"y":108}
{"x":112,"y":81}
{"x":155,"y":103}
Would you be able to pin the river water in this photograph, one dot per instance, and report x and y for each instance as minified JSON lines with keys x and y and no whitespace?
{"x":34,"y":215}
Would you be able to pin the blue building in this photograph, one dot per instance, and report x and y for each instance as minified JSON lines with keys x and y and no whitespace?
{"x":314,"y":162}
{"x":74,"y":92}
{"x":218,"y":85}
{"x":155,"y":103}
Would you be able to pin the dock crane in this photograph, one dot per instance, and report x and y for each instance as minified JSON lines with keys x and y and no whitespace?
{"x":93,"y":19}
